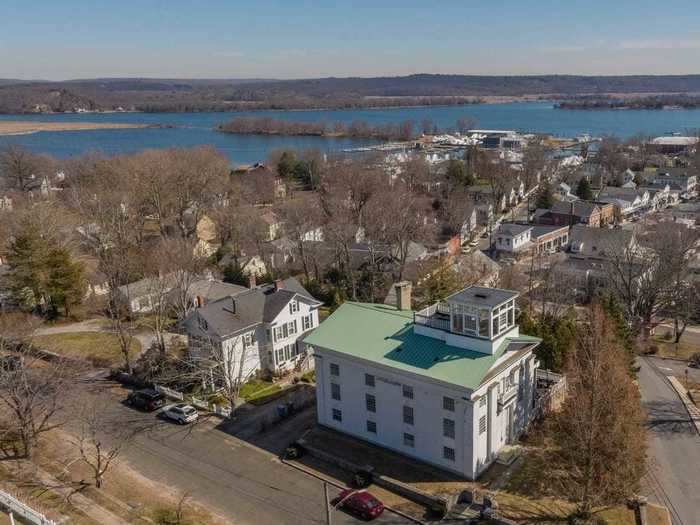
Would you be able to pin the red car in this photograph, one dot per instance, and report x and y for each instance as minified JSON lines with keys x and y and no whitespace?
{"x":361,"y":503}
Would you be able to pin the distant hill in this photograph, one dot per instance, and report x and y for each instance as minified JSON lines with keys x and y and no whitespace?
{"x":233,"y":94}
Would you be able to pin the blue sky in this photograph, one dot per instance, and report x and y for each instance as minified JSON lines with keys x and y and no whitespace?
{"x":55,"y":39}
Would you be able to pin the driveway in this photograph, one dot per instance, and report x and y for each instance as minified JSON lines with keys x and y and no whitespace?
{"x":237,"y":480}
{"x":673,"y":478}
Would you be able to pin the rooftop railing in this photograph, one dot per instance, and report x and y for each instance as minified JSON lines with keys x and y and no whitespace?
{"x":434,"y":316}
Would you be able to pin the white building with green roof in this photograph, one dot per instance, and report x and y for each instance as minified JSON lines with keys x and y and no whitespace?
{"x":450,"y":385}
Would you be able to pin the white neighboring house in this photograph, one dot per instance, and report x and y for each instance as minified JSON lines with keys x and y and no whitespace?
{"x":513,"y":237}
{"x":449,"y":385}
{"x":257,"y":328}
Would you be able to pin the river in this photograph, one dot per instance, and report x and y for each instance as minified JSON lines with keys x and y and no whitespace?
{"x":191,"y":129}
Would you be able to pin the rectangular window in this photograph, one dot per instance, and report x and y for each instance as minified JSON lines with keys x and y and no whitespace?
{"x":293,"y":307}
{"x":448,"y":404}
{"x":308,"y":322}
{"x":335,"y":391}
{"x":448,"y":428}
{"x":337,"y":415}
{"x":371,"y":427}
{"x":288,"y":352}
{"x":494,"y":328}
{"x":285,"y":330}
{"x":482,"y":424}
{"x":370,"y":403}
{"x":510,"y":317}
{"x":335,"y":369}
{"x":409,"y":440}
{"x":448,"y":453}
{"x":408,"y":415}
{"x":369,"y":380}
{"x":280,"y":355}
{"x":293,"y":327}
{"x":408,"y":392}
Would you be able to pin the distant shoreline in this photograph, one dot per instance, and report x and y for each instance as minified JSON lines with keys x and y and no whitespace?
{"x":26,"y":127}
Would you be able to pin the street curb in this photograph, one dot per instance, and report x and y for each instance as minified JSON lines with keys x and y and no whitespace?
{"x":340,"y":486}
{"x":693,"y":411}
{"x":665,"y":358}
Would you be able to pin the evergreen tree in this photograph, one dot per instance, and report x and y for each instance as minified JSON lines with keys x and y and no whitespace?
{"x":233,"y":274}
{"x":43,"y":275}
{"x":583,"y":190}
{"x":286,"y":164}
{"x":545,"y":197}
{"x":27,"y":261}
{"x":65,"y":283}
{"x":456,"y":172}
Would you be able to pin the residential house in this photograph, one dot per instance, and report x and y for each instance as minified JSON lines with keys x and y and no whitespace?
{"x":449,"y":385}
{"x":469,"y":224}
{"x":254,"y":330}
{"x":484,"y":194}
{"x":5,"y":203}
{"x":261,"y":185}
{"x":478,"y":268}
{"x":682,"y":179}
{"x":628,"y":202}
{"x":520,"y":238}
{"x":273,"y":225}
{"x":587,"y":270}
{"x":563,"y":213}
{"x":563,"y":191}
{"x":484,"y":214}
{"x":513,"y":238}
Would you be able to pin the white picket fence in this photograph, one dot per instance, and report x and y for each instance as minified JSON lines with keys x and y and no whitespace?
{"x":23,"y":511}
{"x":195,"y":402}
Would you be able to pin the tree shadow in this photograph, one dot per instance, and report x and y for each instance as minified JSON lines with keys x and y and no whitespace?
{"x":668,"y":417}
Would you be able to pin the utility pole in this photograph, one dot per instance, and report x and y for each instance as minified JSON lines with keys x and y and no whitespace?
{"x":328,"y":503}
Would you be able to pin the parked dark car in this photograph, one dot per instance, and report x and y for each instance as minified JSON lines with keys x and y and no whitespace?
{"x":360,"y":503}
{"x":147,"y":399}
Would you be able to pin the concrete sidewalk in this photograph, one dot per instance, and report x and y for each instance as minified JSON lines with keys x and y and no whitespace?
{"x":693,"y":411}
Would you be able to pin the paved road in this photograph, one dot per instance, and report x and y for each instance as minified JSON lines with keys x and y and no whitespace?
{"x":243,"y":483}
{"x":674,"y":446}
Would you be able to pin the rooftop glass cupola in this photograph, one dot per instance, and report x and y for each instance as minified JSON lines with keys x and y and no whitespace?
{"x":485,"y":313}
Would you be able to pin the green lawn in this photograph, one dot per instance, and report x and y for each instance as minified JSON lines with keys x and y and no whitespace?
{"x":101,"y":348}
{"x":683,"y":350}
{"x":257,"y":388}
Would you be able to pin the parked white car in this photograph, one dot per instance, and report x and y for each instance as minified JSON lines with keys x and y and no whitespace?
{"x":181,"y":413}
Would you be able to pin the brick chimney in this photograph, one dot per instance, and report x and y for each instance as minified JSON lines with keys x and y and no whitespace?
{"x":251,"y":281}
{"x":403,"y":295}
{"x":279,"y":284}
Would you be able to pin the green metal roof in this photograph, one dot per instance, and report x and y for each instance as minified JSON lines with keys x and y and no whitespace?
{"x":384,"y":335}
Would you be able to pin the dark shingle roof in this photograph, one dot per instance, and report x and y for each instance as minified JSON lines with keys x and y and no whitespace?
{"x":246,"y":309}
{"x":481,"y":296}
{"x":580,"y":208}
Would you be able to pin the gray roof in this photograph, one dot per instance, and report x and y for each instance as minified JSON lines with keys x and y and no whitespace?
{"x":539,"y":230}
{"x":246,"y":309}
{"x":213,"y":290}
{"x":481,"y":296}
{"x":594,"y":242}
{"x":513,"y":229}
{"x":580,"y":208}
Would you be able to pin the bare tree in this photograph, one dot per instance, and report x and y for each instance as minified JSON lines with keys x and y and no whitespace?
{"x":301,"y":218}
{"x":19,"y":168}
{"x":599,"y":433}
{"x":32,"y":391}
{"x":99,"y":440}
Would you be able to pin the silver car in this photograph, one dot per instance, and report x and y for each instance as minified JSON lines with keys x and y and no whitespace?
{"x":181,"y":413}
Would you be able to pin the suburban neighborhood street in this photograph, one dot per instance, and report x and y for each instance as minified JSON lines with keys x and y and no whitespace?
{"x":673,"y":478}
{"x":243,"y":483}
